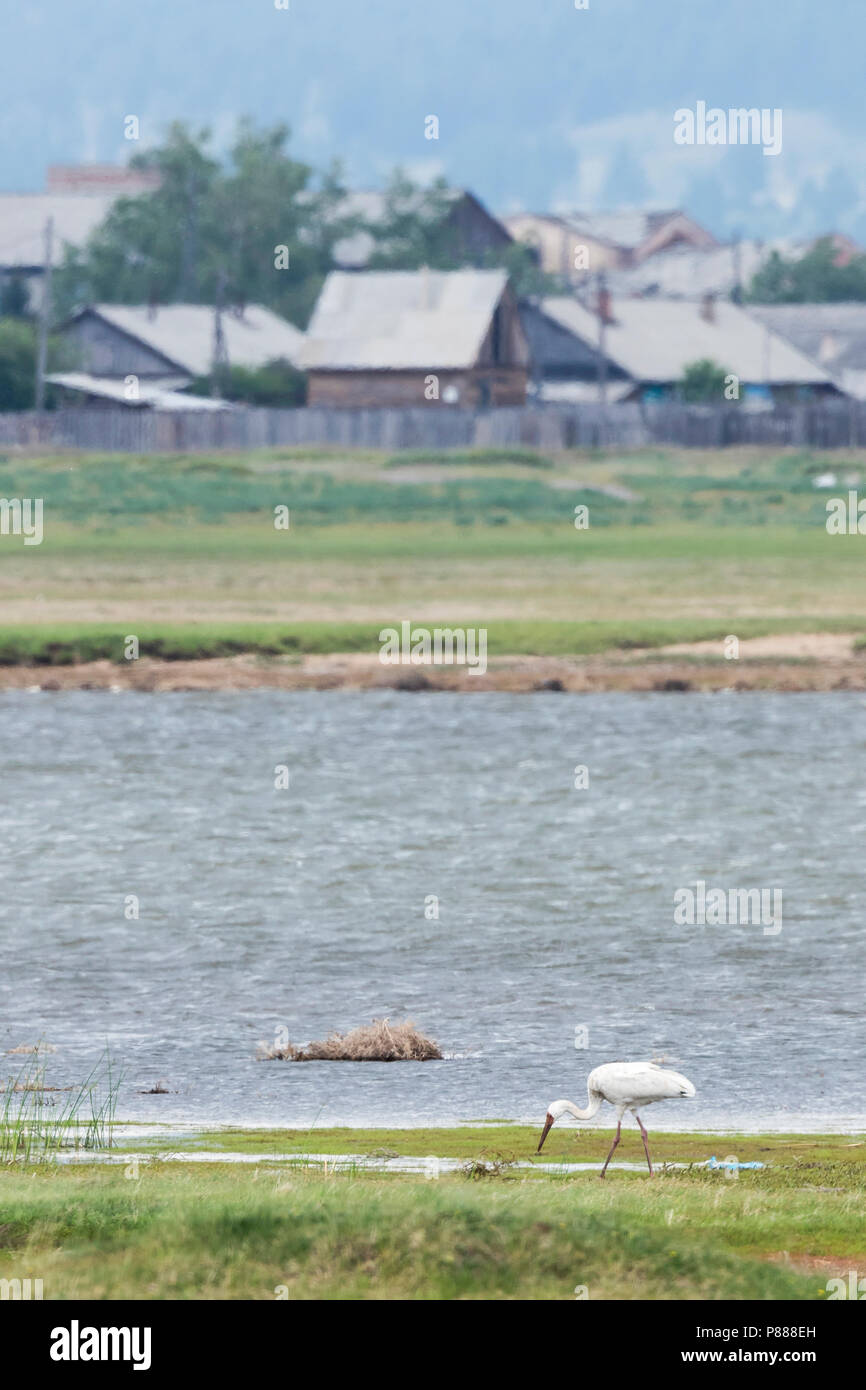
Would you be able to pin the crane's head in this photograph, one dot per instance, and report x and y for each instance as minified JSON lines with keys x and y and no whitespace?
{"x":555,"y":1109}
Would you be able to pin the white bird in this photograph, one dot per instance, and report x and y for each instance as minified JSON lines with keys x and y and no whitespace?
{"x":625,"y":1086}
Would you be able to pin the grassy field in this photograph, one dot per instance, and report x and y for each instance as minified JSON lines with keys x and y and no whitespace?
{"x":680,"y":546}
{"x":162,"y":1229}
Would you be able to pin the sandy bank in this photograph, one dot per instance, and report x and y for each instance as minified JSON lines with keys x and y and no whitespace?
{"x":800,"y":663}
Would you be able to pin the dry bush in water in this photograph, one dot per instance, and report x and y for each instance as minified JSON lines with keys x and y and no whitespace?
{"x":379,"y":1041}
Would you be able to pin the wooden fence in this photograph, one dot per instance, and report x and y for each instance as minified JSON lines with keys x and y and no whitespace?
{"x":840,"y":425}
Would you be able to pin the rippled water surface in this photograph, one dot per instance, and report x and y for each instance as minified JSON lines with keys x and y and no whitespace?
{"x":305,"y":908}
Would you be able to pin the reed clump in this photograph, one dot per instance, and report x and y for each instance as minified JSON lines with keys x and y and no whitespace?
{"x":35,"y":1127}
{"x":378,"y":1041}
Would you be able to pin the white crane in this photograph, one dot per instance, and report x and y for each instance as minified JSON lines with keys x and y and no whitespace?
{"x":625,"y":1086}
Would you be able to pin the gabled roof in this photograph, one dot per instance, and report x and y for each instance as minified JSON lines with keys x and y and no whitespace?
{"x":832,"y":334}
{"x":22,"y":224}
{"x":627,"y":229}
{"x":184,"y":333}
{"x":654,"y":340}
{"x":402,"y":319}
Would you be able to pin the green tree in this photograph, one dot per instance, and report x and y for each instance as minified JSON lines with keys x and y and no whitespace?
{"x":703,"y":382}
{"x":255,"y":228}
{"x":276,"y":383}
{"x":18,"y":364}
{"x":417,"y":231}
{"x":258,"y":227}
{"x":14,"y":299}
{"x":813,"y":279}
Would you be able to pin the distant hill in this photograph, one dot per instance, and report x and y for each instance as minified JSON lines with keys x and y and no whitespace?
{"x":538,"y":103}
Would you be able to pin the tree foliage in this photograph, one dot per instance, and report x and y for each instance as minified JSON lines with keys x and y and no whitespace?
{"x":257,"y":228}
{"x":14,"y":299}
{"x":18,"y":364}
{"x":277,"y":383}
{"x":416,"y":231}
{"x":815,"y":278}
{"x":703,"y":382}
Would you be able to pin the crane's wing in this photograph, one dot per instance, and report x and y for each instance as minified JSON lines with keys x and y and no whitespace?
{"x":628,"y":1083}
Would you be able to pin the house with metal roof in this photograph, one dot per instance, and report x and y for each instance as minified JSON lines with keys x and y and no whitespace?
{"x":165,"y":347}
{"x":832,"y":335}
{"x":420,"y":337}
{"x":24,"y":218}
{"x":575,"y":244}
{"x":647,"y":344}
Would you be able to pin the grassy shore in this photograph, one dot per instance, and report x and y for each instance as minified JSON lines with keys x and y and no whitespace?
{"x":163,"y":1229}
{"x":183,"y":550}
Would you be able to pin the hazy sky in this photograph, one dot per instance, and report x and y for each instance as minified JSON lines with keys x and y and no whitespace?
{"x":540,"y":104}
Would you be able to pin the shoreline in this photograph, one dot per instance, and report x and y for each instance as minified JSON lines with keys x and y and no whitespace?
{"x":411,"y":1137}
{"x":615,"y":671}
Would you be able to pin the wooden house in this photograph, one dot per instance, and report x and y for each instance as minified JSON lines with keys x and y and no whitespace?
{"x":574,"y":245}
{"x":421,"y":337}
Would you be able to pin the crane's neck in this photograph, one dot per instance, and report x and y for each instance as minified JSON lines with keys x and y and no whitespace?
{"x":592,"y":1108}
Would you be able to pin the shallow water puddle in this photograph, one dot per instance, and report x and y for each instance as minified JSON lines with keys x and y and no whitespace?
{"x":428,"y":1167}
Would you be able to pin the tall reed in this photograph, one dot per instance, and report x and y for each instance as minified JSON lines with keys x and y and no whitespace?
{"x":38,"y":1122}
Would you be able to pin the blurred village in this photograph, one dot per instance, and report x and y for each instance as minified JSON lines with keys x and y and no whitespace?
{"x":183,"y":283}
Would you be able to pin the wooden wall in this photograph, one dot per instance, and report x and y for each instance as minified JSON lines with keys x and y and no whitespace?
{"x":841,"y":425}
{"x":104,"y":351}
{"x":383,"y":390}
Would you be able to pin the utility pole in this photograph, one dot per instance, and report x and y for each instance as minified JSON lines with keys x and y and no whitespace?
{"x":189,"y":244}
{"x":603,"y":315}
{"x":44,"y":317}
{"x":220,"y":366}
{"x":737,"y":295}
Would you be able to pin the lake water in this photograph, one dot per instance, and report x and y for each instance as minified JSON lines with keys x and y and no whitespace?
{"x":305,"y":908}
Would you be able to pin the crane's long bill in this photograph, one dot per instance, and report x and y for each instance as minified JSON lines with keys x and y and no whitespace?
{"x":544,"y":1133}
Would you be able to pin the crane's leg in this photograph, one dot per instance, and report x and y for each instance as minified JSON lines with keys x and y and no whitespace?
{"x":612,"y":1147}
{"x":644,"y":1136}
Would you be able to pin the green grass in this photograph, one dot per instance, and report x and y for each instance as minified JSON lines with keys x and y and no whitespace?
{"x":703,"y":545}
{"x":155,"y":1227}
{"x":163,"y":1230}
{"x":71,"y":643}
{"x":495,"y":486}
{"x":493,"y":458}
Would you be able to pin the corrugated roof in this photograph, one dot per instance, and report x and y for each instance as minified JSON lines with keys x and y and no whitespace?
{"x":184,"y":333}
{"x":832,"y":334}
{"x":402,"y":319}
{"x":156,"y":394}
{"x":628,"y":228}
{"x":23,"y":217}
{"x":653,"y":340}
